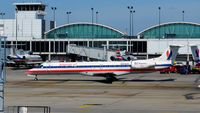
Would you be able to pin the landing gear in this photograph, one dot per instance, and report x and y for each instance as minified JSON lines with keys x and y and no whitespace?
{"x":111,"y":78}
{"x":36,"y":79}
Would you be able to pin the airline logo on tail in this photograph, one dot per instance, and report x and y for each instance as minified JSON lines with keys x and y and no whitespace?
{"x":118,"y":54}
{"x":197,"y":53}
{"x":169,"y":55}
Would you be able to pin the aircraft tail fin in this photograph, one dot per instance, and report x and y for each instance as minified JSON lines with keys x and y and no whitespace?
{"x":118,"y":55}
{"x":13,"y":50}
{"x":195,"y":52}
{"x":171,"y":53}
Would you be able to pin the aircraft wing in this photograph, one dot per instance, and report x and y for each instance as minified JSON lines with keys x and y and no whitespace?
{"x":104,"y":74}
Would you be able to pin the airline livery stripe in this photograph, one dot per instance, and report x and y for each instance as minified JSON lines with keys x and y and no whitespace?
{"x":95,"y":66}
{"x":49,"y":71}
{"x":86,"y":66}
{"x":164,"y":65}
{"x":197,"y":53}
{"x":102,"y":70}
{"x":169,"y":56}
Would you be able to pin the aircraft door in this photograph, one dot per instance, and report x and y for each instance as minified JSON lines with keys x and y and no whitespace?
{"x":101,"y":66}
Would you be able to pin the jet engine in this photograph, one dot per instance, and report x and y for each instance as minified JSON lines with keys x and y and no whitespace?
{"x":9,"y":58}
{"x":24,"y":57}
{"x":112,"y":58}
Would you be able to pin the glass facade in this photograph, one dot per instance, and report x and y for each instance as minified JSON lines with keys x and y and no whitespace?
{"x":84,"y":30}
{"x":139,"y":46}
{"x":172,"y":30}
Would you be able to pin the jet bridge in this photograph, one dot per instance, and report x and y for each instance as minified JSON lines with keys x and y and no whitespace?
{"x":94,"y":53}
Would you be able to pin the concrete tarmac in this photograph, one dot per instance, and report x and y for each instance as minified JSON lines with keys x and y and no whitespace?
{"x":133,"y":93}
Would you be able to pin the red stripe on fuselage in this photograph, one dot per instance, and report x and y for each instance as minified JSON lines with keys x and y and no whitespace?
{"x":102,"y":70}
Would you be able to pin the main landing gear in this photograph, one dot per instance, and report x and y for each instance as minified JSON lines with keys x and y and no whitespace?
{"x":111,"y":78}
{"x":36,"y":79}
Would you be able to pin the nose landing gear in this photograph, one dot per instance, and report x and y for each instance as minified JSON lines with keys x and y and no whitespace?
{"x":36,"y":79}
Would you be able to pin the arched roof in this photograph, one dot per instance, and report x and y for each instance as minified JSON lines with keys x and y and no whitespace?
{"x":84,"y":30}
{"x":172,"y":30}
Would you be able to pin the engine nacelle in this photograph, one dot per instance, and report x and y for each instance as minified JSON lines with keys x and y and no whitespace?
{"x":128,"y":58}
{"x":30,"y":52}
{"x":24,"y":57}
{"x":9,"y":58}
{"x":112,"y":58}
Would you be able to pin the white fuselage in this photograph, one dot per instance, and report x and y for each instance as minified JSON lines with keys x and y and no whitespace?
{"x":28,"y":59}
{"x":99,"y":68}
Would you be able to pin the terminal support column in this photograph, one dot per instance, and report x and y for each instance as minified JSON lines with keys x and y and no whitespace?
{"x":107,"y":44}
{"x":31,"y":46}
{"x":127,"y":45}
{"x":88,"y":45}
{"x":49,"y":50}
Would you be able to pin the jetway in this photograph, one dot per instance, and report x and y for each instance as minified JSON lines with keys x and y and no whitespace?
{"x":94,"y":53}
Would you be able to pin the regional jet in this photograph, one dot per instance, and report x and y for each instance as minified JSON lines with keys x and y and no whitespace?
{"x":109,"y":70}
{"x":21,"y":57}
{"x":126,"y":56}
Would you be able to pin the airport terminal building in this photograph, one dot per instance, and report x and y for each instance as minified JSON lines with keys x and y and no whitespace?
{"x":44,"y":39}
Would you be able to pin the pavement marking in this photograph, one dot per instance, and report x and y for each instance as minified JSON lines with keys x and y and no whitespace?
{"x":84,"y":106}
{"x":88,"y":105}
{"x":168,"y":112}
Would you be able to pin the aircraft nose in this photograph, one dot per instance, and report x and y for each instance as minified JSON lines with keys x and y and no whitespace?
{"x":29,"y":71}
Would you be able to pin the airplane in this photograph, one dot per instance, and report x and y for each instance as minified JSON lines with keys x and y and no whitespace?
{"x":117,"y":56}
{"x":126,"y":56}
{"x":21,"y":57}
{"x":109,"y":70}
{"x":195,"y":53}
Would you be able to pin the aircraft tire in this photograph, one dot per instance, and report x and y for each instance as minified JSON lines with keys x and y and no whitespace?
{"x":36,"y":79}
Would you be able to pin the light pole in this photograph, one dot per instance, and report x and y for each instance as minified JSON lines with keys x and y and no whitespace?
{"x":92,"y":9}
{"x":132,"y":22}
{"x":68,"y":13}
{"x":97,"y":16}
{"x":130,"y":9}
{"x":159,"y":8}
{"x":54,"y":19}
{"x":54,"y":15}
{"x":2,"y":14}
{"x":183,"y":12}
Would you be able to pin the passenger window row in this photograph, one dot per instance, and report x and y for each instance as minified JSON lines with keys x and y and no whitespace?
{"x":93,"y":66}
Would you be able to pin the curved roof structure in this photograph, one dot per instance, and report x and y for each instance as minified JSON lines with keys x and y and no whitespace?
{"x":172,"y":30}
{"x":84,"y":30}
